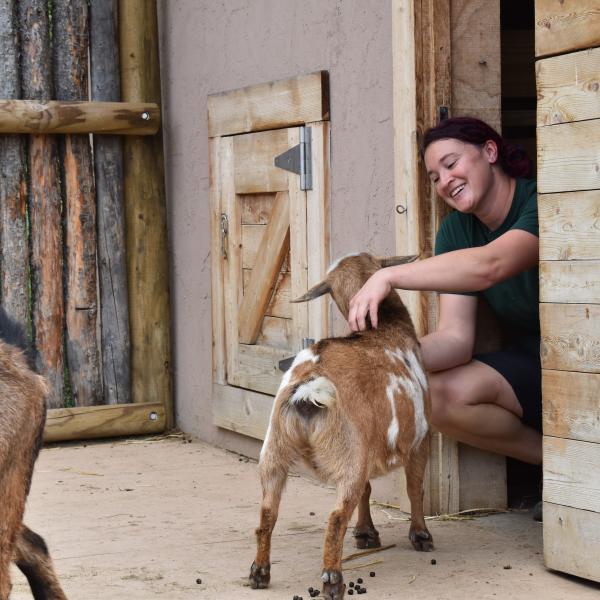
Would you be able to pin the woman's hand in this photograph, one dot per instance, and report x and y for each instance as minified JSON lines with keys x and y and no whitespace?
{"x":367,"y":301}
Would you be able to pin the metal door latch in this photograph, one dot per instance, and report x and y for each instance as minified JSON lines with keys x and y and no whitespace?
{"x":299,"y":159}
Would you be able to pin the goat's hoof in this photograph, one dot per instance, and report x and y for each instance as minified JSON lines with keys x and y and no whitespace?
{"x":333,"y":585}
{"x":260,"y":576}
{"x":421,"y":540}
{"x":366,"y":538}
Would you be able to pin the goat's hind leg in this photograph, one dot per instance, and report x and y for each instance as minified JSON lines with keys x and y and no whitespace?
{"x":418,"y":534}
{"x":365,"y":534}
{"x":274,"y":466}
{"x":32,"y":557}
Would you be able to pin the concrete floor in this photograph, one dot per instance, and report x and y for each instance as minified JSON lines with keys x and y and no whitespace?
{"x":146,"y":518}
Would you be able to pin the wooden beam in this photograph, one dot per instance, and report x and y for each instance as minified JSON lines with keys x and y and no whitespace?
{"x":567,"y":87}
{"x":146,"y":218}
{"x":568,"y":157}
{"x":569,"y":225}
{"x":125,"y":118}
{"x":270,"y":105}
{"x":273,"y":249}
{"x":63,"y":424}
{"x":570,"y":337}
{"x":570,"y":282}
{"x":571,"y":405}
{"x":566,"y":25}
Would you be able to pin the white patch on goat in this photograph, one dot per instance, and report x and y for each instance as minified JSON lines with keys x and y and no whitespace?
{"x":302,"y":356}
{"x":335,"y":263}
{"x":395,"y":385}
{"x":320,"y":391}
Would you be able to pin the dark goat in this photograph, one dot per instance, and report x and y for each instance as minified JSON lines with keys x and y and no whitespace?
{"x":22,"y":417}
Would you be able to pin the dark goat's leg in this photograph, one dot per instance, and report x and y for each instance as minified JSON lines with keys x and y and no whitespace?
{"x":419,"y":536}
{"x":365,"y":534}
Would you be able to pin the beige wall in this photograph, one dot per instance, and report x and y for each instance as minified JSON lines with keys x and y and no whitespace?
{"x":209,"y":46}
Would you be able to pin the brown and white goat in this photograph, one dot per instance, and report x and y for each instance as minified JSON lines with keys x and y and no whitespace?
{"x":22,"y":417}
{"x":352,"y":408}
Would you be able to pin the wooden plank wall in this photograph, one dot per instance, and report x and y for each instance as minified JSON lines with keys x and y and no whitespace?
{"x":568,"y":131}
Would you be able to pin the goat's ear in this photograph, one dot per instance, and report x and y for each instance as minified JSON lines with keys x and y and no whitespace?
{"x":397,"y":260}
{"x":318,"y":290}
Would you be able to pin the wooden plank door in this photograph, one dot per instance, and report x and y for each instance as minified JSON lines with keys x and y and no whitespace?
{"x":568,"y":141}
{"x":270,"y":240}
{"x":265,"y":262}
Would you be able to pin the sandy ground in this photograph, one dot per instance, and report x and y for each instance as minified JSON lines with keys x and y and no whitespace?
{"x":147,"y":518}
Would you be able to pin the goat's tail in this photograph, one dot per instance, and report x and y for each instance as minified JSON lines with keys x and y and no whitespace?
{"x":313,"y":394}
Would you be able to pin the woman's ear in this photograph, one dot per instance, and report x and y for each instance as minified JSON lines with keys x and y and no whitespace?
{"x":490,"y":151}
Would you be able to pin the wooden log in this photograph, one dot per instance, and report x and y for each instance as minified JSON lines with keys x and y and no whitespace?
{"x":108,"y":164}
{"x":14,"y":247}
{"x":147,"y":252}
{"x":571,"y":282}
{"x":71,"y":78}
{"x":44,"y":205}
{"x":126,"y":118}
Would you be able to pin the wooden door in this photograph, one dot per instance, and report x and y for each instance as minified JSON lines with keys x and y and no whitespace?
{"x":270,"y":241}
{"x":568,"y":140}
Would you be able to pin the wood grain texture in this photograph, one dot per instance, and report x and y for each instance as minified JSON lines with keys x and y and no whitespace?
{"x":14,"y":250}
{"x":124,"y":118}
{"x":572,"y":540}
{"x":568,"y":87}
{"x":570,"y":337}
{"x":569,"y":157}
{"x":257,"y":368}
{"x":571,"y":405}
{"x":108,"y":170}
{"x":566,"y":25}
{"x":569,"y":225}
{"x":145,"y":213}
{"x":279,"y":305}
{"x":273,"y":248}
{"x":71,"y":82}
{"x":571,"y":282}
{"x":482,"y":478}
{"x":44,"y":205}
{"x":64,"y":424}
{"x":271,"y":105}
{"x":571,"y":474}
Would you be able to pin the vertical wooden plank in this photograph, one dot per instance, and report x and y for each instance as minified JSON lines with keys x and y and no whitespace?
{"x":14,"y":250}
{"x":146,"y":219}
{"x":108,"y":169}
{"x":71,"y":81}
{"x":218,"y":248}
{"x":44,"y":204}
{"x":318,"y":229}
{"x":298,"y":250}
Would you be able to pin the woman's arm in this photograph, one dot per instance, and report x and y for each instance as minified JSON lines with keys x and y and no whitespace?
{"x":451,"y":344}
{"x":468,"y":270}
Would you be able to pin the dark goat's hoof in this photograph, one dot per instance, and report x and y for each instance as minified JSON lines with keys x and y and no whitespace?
{"x":333,"y":585}
{"x":366,"y":538}
{"x":259,"y":576}
{"x":421,"y":540}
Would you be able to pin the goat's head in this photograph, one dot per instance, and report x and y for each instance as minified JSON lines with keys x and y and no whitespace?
{"x":347,"y":275}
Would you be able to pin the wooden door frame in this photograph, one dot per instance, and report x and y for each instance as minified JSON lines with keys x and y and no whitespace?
{"x":302,"y":100}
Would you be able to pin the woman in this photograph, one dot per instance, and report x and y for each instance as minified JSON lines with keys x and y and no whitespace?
{"x":488,"y":245}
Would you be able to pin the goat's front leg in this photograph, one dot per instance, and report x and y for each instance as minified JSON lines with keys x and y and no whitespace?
{"x":274,"y":468}
{"x":418,"y":534}
{"x":32,"y":557}
{"x":365,"y":534}
{"x":348,"y":496}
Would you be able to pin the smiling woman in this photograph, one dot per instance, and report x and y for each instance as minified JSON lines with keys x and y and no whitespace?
{"x":487,"y":247}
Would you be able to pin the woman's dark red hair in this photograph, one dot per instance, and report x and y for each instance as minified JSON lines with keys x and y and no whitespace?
{"x":513,"y":160}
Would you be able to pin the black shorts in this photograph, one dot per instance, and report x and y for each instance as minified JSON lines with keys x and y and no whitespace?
{"x":524,"y":373}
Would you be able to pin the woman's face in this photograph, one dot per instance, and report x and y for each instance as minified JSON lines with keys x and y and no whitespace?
{"x":462,"y":173}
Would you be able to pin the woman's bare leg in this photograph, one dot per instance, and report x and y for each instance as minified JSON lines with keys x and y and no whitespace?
{"x":474,"y":404}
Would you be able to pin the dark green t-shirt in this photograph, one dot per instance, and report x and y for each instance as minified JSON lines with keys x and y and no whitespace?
{"x":515,"y":300}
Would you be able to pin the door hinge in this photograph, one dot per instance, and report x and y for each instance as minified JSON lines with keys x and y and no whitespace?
{"x":299,"y":159}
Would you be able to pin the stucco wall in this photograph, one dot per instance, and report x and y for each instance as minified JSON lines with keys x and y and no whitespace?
{"x":209,"y":46}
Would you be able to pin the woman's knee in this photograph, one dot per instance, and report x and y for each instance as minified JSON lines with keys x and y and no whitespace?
{"x":448,"y":396}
